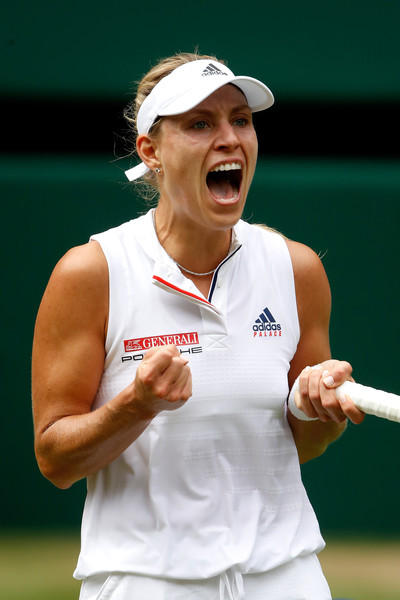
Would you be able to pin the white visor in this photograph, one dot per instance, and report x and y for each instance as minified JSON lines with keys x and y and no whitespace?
{"x":185,"y":88}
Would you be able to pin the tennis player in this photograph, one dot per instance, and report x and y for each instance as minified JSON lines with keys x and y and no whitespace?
{"x":163,"y":355}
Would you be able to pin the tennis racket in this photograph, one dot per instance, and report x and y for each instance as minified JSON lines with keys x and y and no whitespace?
{"x":369,"y":400}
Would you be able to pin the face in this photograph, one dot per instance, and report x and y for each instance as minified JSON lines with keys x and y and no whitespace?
{"x":208,"y":157}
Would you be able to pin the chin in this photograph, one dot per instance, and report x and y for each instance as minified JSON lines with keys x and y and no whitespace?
{"x":227,"y":213}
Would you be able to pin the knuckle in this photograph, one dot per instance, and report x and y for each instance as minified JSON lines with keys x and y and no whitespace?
{"x":164,"y":352}
{"x":314,"y":395}
{"x":303,"y":383}
{"x":171,"y":349}
{"x":175,"y":400}
{"x":304,"y":376}
{"x":329,"y":404}
{"x":146,"y":377}
{"x":344,"y":368}
{"x":177,"y":362}
{"x":162,"y":390}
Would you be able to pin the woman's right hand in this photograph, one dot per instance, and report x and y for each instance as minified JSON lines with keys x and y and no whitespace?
{"x":163,"y":381}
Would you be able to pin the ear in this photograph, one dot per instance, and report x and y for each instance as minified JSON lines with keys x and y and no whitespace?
{"x":147,"y":150}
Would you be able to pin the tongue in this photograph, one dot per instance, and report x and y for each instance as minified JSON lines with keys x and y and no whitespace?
{"x":221,"y":188}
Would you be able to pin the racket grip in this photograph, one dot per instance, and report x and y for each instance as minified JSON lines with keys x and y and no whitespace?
{"x":371,"y":401}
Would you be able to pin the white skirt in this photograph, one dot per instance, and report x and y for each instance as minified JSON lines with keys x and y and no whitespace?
{"x":300,"y":579}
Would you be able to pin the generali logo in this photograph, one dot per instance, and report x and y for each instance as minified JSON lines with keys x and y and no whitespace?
{"x":145,"y":343}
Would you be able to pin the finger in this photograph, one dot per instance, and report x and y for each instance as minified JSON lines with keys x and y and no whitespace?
{"x":330,"y":404}
{"x":178,"y":393}
{"x":331,"y":379}
{"x":320,"y":389}
{"x":315,"y":374}
{"x":348,"y":407}
{"x":159,"y":351}
{"x":337,"y":375}
{"x":157,"y":360}
{"x":182,"y":389}
{"x":322,"y":402}
{"x":304,"y":402}
{"x":314,"y":392}
{"x":171,"y":385}
{"x":176,"y":370}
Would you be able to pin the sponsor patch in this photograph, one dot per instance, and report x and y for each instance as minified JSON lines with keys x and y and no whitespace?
{"x":145,"y":343}
{"x":266,"y":326}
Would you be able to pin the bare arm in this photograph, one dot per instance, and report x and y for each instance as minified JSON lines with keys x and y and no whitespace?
{"x":317,"y":398}
{"x":71,"y":441}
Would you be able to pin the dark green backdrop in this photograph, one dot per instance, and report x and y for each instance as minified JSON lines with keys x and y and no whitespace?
{"x":345,"y":208}
{"x":313,"y":48}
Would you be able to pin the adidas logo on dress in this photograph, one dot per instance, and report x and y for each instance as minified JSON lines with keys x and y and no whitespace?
{"x":212,"y":70}
{"x":266,"y":326}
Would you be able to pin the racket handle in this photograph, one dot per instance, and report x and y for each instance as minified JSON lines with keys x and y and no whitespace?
{"x":371,"y":401}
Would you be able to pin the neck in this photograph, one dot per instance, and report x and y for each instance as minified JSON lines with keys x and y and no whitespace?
{"x":195,"y":252}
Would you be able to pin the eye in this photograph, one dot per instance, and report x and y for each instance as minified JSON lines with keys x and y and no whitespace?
{"x":241,"y":121}
{"x":200,"y":125}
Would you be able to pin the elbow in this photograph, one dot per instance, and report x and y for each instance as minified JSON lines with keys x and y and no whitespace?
{"x":55,"y":473}
{"x":54,"y":460}
{"x":310,"y":452}
{"x":61,"y":484}
{"x":55,"y":476}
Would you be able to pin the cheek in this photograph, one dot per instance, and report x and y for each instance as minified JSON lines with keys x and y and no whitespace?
{"x":179,"y":153}
{"x":254,"y":152}
{"x":253,"y":142}
{"x":182,"y":161}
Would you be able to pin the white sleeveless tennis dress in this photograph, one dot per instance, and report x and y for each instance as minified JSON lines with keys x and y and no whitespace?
{"x":210,"y":494}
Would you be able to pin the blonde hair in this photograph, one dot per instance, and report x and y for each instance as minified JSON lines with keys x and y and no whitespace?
{"x":147,"y":185}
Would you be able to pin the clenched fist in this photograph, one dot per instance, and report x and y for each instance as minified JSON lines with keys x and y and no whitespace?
{"x":163,"y":380}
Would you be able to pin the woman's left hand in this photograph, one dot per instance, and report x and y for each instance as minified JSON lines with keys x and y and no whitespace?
{"x":316,"y":395}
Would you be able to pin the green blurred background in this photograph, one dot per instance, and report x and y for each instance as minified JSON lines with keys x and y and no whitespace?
{"x":328,"y":176}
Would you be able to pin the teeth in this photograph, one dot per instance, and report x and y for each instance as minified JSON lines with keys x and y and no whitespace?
{"x":227,"y":167}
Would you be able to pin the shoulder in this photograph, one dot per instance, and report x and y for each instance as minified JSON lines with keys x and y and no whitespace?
{"x":302,"y":256}
{"x":83,"y":263}
{"x":77,"y":291}
{"x":307,"y":265}
{"x":311,"y":282}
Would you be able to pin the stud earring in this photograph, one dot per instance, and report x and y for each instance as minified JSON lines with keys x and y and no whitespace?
{"x":157,"y":170}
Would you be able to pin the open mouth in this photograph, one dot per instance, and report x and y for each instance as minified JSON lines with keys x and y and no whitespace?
{"x":224,"y":181}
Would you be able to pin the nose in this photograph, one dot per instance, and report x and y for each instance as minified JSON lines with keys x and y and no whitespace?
{"x":226,"y":136}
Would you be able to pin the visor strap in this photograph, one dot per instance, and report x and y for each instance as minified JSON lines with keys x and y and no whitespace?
{"x":136,"y":172}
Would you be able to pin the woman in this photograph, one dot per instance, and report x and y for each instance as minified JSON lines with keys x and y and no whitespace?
{"x":164,"y":351}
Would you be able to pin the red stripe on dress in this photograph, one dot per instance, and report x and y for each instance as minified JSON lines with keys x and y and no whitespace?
{"x":174,"y":287}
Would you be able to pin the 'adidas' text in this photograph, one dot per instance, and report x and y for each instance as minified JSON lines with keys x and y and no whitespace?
{"x":266,"y":325}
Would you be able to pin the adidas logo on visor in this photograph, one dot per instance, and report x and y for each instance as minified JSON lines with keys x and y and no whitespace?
{"x":266,"y":324}
{"x":212,"y":70}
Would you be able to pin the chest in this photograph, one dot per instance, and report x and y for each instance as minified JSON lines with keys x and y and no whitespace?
{"x":239,"y":345}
